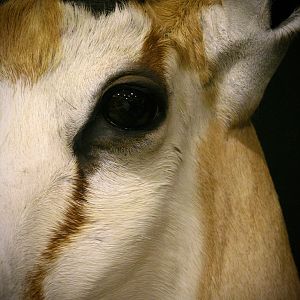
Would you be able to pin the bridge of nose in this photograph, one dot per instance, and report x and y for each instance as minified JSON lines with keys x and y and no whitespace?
{"x":31,"y":135}
{"x":36,"y":172}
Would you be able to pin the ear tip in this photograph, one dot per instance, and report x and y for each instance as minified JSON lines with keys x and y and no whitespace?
{"x":290,"y":27}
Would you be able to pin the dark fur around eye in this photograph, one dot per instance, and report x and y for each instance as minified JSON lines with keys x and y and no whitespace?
{"x":127,"y":111}
{"x":99,"y":7}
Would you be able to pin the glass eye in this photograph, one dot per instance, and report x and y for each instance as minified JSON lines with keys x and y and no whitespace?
{"x":131,"y":108}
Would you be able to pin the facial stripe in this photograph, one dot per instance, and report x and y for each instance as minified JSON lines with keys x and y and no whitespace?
{"x":29,"y":37}
{"x":75,"y":218}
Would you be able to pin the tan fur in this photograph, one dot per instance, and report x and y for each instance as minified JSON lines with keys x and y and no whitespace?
{"x":175,"y":24}
{"x":30,"y":37}
{"x":247,"y":254}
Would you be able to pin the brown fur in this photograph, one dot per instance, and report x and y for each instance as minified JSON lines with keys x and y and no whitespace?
{"x":176,"y":24}
{"x":246,"y":246}
{"x":247,"y":254}
{"x":75,"y":218}
{"x":29,"y":38}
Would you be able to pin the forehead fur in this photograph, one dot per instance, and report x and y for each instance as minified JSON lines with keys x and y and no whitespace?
{"x":30,"y":33}
{"x":176,"y":24}
{"x":29,"y":37}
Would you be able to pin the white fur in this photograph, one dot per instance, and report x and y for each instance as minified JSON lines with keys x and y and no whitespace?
{"x":245,"y":51}
{"x":137,"y":203}
{"x":143,"y":239}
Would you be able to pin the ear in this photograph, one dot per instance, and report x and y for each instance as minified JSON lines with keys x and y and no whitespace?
{"x":244,"y":53}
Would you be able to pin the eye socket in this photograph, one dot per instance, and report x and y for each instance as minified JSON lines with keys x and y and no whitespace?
{"x":131,"y":107}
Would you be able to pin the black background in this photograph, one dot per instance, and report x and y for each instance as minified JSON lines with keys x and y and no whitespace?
{"x":277,"y":122}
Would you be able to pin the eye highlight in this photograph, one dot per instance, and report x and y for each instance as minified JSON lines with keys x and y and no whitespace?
{"x":133,"y":103}
{"x":130,"y":107}
{"x":128,"y":110}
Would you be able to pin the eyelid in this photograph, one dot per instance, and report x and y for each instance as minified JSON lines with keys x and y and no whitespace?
{"x":135,"y":81}
{"x":89,"y":132}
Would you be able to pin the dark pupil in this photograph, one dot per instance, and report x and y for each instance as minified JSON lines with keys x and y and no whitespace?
{"x":130,"y":108}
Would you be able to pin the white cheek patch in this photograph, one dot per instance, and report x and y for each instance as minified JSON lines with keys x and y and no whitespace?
{"x":128,"y":201}
{"x":36,"y":173}
{"x":131,"y":200}
{"x":37,"y":123}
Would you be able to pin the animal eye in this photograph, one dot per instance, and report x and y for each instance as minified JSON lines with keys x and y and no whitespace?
{"x":128,"y":109}
{"x":132,"y":107}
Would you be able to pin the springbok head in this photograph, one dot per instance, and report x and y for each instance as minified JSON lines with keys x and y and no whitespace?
{"x":129,"y":167}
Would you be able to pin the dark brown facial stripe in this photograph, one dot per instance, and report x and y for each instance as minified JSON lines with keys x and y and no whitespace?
{"x":29,"y":37}
{"x":75,"y":218}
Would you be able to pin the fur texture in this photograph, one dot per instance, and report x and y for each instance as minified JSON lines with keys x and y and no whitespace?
{"x":185,"y":211}
{"x":30,"y":37}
